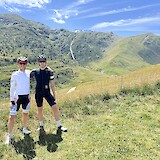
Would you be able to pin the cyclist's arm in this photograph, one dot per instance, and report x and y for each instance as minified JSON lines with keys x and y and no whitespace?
{"x":53,"y":87}
{"x":12,"y":88}
{"x":52,"y":82}
{"x":32,"y":74}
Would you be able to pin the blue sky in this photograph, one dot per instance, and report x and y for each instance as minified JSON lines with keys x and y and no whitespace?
{"x":122,"y":17}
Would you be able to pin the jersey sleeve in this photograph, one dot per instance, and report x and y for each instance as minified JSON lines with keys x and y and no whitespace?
{"x":32,"y":74}
{"x":51,"y":75}
{"x":12,"y":87}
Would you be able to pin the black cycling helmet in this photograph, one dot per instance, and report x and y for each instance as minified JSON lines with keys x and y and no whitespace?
{"x":41,"y":58}
{"x":22,"y":59}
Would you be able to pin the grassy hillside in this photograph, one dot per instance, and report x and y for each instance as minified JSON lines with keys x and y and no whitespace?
{"x":102,"y":126}
{"x":130,"y":54}
{"x":91,"y":46}
{"x":19,"y":36}
{"x":110,"y":84}
{"x":151,"y":52}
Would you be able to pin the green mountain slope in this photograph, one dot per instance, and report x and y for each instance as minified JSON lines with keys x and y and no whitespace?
{"x":19,"y":36}
{"x":130,"y":54}
{"x":151,"y":52}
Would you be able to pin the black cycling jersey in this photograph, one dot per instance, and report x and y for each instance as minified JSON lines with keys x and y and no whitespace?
{"x":43,"y":78}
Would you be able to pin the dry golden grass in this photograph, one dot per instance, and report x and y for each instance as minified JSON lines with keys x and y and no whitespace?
{"x":147,"y":75}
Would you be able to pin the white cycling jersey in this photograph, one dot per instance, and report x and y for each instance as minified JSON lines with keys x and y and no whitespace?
{"x":20,"y":84}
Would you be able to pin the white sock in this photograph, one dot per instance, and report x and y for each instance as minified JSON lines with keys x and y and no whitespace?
{"x":41,"y":123}
{"x":58,"y":123}
{"x":9,"y":135}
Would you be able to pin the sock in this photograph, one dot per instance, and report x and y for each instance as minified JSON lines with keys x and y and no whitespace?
{"x":58,"y":123}
{"x":9,"y":135}
{"x":24,"y":129}
{"x":41,"y":123}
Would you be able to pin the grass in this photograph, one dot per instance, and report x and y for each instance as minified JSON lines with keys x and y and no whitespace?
{"x":104,"y":126}
{"x":102,"y":122}
{"x":123,"y":57}
{"x":112,"y":84}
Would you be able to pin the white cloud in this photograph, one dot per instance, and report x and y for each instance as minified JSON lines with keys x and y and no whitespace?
{"x":60,"y":15}
{"x":66,"y":17}
{"x":79,"y":2}
{"x":129,"y":24}
{"x":12,"y":9}
{"x":57,"y":13}
{"x":65,"y":13}
{"x":60,"y":21}
{"x":128,"y":9}
{"x":27,"y":3}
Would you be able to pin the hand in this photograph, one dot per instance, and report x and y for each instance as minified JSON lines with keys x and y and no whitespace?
{"x":13,"y":102}
{"x":29,"y":98}
{"x":54,"y":96}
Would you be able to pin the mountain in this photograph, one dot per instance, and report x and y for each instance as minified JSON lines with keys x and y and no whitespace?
{"x":20,"y":36}
{"x":130,"y":54}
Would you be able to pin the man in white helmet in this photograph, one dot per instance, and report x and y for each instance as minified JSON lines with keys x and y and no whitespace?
{"x":19,"y":95}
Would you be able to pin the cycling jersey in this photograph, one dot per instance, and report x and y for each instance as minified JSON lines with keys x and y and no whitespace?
{"x":43,"y":78}
{"x":20,"y":84}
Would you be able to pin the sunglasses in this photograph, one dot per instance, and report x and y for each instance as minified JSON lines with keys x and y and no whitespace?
{"x":22,"y":63}
{"x":42,"y":61}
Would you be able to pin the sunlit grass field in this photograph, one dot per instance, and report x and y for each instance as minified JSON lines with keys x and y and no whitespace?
{"x":114,"y":117}
{"x":110,"y":84}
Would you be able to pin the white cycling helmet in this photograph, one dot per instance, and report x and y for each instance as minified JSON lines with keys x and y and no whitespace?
{"x":22,"y":59}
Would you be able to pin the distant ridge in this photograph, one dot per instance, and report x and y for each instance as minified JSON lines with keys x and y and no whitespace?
{"x":131,"y":53}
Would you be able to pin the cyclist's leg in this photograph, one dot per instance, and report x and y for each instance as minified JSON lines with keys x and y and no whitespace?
{"x":50,"y":99}
{"x":55,"y":110}
{"x":12,"y":116}
{"x":25,"y":107}
{"x":39,"y":102}
{"x":11,"y":123}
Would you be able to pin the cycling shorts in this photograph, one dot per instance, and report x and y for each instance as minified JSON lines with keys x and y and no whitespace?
{"x":48,"y":96}
{"x":22,"y":100}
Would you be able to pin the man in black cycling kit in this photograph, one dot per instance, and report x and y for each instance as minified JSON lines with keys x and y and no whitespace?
{"x":19,"y":95}
{"x":44,"y":76}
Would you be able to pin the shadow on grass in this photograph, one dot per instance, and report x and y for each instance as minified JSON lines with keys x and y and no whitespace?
{"x":50,"y":140}
{"x":1,"y":155}
{"x":26,"y":147}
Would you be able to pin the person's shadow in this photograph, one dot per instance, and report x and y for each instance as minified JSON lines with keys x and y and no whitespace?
{"x":50,"y":140}
{"x":26,"y":147}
